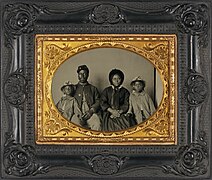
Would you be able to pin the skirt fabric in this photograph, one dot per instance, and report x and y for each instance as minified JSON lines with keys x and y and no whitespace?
{"x":115,"y":124}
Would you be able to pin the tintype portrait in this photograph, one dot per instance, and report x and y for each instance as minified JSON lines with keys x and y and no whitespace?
{"x":126,"y":89}
{"x":106,"y":87}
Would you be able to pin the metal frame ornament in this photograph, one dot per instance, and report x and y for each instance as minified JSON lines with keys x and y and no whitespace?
{"x":160,"y":50}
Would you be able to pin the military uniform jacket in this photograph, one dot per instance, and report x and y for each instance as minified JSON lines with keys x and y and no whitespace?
{"x":92,"y":96}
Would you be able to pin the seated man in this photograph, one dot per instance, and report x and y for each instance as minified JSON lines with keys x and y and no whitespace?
{"x":87,"y":97}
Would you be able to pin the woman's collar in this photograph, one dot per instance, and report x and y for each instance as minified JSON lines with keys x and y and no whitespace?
{"x":116,"y":87}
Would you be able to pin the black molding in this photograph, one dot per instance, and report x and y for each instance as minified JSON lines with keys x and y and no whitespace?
{"x":15,"y":89}
{"x":19,"y":18}
{"x":20,"y":160}
{"x":106,"y":14}
{"x":191,"y":19}
{"x":105,"y":163}
{"x":196,"y":89}
{"x":191,"y":160}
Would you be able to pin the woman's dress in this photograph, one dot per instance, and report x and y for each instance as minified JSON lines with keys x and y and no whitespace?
{"x":117,"y":99}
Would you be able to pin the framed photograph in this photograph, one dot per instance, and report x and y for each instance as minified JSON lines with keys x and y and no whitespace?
{"x":58,"y":59}
{"x":105,"y":89}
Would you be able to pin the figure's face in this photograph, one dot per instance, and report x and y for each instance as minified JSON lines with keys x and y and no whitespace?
{"x":67,"y":90}
{"x":138,"y":86}
{"x":83,"y":76}
{"x":116,"y":80}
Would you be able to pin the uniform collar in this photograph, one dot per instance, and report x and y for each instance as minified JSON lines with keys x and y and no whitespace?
{"x":83,"y":84}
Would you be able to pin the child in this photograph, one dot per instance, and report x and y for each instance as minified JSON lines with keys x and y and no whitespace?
{"x":114,"y":102}
{"x":68,"y":106}
{"x":141,"y":104}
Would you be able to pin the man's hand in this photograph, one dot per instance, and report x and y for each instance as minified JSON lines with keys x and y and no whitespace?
{"x":87,"y":115}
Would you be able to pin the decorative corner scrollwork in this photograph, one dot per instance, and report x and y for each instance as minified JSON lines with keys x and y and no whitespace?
{"x":20,"y":19}
{"x":53,"y":52}
{"x":106,"y":14}
{"x":52,"y":127}
{"x":192,"y":19}
{"x":105,"y":163}
{"x":15,"y":89}
{"x":191,"y":160}
{"x":196,"y":89}
{"x":160,"y":128}
{"x":159,"y":50}
{"x":20,"y":160}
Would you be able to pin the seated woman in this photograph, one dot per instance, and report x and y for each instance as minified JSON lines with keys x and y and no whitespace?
{"x":141,"y":104}
{"x":114,"y":102}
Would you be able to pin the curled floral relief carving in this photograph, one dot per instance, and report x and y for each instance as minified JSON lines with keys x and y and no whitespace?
{"x":159,"y":128}
{"x":196,"y":89}
{"x":105,"y":164}
{"x":53,"y":51}
{"x":20,"y":160}
{"x":106,"y":14}
{"x":19,"y":19}
{"x":191,"y":160}
{"x":159,"y":50}
{"x":52,"y":127}
{"x":15,"y":89}
{"x":191,"y":19}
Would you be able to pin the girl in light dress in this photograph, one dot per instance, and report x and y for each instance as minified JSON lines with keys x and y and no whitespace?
{"x":67,"y":105}
{"x":140,"y":103}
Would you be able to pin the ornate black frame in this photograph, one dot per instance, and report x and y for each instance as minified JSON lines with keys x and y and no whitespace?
{"x":21,"y":157}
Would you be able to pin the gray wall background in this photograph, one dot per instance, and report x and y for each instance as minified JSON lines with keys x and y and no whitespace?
{"x":100,"y":62}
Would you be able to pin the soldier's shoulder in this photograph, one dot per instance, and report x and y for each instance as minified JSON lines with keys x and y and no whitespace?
{"x":93,"y":87}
